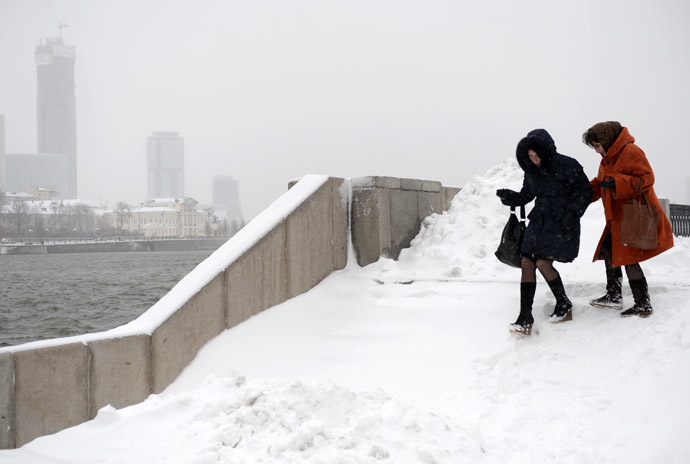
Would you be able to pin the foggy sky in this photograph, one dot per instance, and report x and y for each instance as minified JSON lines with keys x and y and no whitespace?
{"x":271,"y":90}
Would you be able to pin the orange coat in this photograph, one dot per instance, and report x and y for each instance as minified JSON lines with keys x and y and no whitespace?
{"x":626,"y":163}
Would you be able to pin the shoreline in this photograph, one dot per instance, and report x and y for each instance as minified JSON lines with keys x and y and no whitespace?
{"x":113,"y":246}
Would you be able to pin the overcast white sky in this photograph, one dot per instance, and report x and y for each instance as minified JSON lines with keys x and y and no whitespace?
{"x":269,"y":90}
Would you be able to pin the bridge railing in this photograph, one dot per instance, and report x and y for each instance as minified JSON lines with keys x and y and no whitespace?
{"x":680,"y":219}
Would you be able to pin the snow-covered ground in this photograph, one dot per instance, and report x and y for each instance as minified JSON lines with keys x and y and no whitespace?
{"x":412,"y":362}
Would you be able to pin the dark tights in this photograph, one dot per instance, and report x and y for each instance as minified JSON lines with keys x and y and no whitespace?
{"x":545,"y":266}
{"x":633,"y":271}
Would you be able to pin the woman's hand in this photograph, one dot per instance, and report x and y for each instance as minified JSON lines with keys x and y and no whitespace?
{"x":609,"y":184}
{"x":503,"y":194}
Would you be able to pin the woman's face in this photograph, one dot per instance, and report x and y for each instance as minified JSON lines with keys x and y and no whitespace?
{"x":599,"y":148}
{"x":533,"y":157}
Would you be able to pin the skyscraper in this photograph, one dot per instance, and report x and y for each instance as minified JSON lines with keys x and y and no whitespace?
{"x":226,"y":198}
{"x":36,"y":170}
{"x":165,"y":165}
{"x":55,"y":104}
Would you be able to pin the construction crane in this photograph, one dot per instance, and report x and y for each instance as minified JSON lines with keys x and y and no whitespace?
{"x":61,"y":23}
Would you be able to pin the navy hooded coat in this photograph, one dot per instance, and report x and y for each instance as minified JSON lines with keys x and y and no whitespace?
{"x":559,"y":186}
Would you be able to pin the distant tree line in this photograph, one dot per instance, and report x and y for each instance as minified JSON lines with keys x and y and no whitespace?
{"x":38,"y":220}
{"x":31,"y":220}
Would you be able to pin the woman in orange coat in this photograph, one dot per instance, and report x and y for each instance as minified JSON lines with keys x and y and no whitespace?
{"x":623,"y":168}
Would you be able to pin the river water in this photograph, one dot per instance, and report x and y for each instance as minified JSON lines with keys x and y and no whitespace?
{"x":59,"y":295}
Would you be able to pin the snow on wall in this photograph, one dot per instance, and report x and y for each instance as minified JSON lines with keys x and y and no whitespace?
{"x":200,"y":276}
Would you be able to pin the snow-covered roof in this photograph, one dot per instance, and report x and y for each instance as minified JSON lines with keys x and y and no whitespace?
{"x":154,"y":209}
{"x":19,"y":196}
{"x":155,"y":201}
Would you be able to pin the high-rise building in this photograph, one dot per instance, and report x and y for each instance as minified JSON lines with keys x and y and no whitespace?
{"x":165,"y":165}
{"x":55,"y":105}
{"x":37,"y":170}
{"x":226,"y":198}
{"x":2,"y":154}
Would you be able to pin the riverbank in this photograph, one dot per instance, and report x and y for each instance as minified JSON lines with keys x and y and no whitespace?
{"x":112,"y":246}
{"x":66,"y":294}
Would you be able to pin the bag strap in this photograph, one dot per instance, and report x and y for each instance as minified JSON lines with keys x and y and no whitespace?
{"x":638,"y":188}
{"x":642,"y":202}
{"x":522,"y":212}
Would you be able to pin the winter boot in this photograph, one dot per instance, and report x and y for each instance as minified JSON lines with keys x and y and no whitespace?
{"x":642,"y":306}
{"x":614,"y":294}
{"x":564,"y":308}
{"x":523,"y":325}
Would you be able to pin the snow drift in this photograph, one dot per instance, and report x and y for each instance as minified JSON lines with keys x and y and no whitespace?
{"x":411,"y":362}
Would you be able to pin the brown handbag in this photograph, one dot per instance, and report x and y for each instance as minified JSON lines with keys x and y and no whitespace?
{"x":638,"y":229}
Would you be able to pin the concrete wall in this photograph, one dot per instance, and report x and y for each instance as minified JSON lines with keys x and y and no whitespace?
{"x":387,"y":213}
{"x":45,"y":389}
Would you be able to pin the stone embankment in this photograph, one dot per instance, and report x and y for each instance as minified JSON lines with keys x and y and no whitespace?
{"x":112,"y":245}
{"x":289,"y":248}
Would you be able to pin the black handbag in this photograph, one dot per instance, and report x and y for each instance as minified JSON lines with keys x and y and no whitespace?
{"x":508,"y":251}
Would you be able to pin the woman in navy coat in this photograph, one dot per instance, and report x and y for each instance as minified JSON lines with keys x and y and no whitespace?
{"x":562,"y":192}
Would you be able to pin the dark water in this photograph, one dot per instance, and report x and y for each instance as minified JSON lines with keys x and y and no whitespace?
{"x":59,"y":295}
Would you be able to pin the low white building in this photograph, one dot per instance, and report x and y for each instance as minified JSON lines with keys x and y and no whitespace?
{"x":163,"y":217}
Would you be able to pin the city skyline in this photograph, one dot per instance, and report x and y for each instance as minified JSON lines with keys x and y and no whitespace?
{"x":273,"y":91}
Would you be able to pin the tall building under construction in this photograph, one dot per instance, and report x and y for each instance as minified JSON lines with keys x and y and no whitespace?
{"x":55,"y":105}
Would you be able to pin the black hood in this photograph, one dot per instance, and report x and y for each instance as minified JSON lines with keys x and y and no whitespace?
{"x":542,"y":143}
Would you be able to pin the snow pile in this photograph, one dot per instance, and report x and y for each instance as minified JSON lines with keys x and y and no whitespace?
{"x":460,"y":243}
{"x":239,"y":420}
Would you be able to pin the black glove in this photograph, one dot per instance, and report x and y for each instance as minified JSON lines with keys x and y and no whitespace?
{"x":503,"y":194}
{"x":608,"y":184}
{"x":569,"y":219}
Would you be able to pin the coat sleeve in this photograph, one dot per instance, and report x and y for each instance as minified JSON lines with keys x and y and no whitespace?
{"x":520,"y":198}
{"x":596,"y":190}
{"x":632,"y":168}
{"x":580,"y":189}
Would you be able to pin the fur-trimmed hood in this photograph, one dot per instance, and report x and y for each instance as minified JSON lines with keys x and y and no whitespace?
{"x":542,"y":143}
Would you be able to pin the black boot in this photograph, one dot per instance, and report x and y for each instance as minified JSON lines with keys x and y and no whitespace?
{"x":642,"y":306}
{"x":564,"y":308}
{"x":614,"y":295}
{"x":523,"y":325}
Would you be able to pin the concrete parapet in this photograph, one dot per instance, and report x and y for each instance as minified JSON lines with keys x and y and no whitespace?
{"x":370,"y":225}
{"x":120,"y":372}
{"x":176,"y":342}
{"x":6,"y":401}
{"x":429,"y":203}
{"x":404,"y":219}
{"x":341,"y":210}
{"x":60,"y":384}
{"x":411,"y":184}
{"x":258,"y":279}
{"x":431,"y":186}
{"x":51,"y":390}
{"x":376,"y":182}
{"x":386,"y":215}
{"x":666,"y":206}
{"x":448,"y":195}
{"x":309,"y":242}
